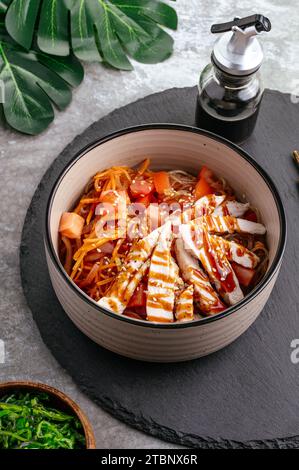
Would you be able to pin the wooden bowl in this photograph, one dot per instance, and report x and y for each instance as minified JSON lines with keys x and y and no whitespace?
{"x":58,"y":400}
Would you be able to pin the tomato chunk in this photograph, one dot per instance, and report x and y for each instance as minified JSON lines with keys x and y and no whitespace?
{"x":138,"y":299}
{"x":250,"y":215}
{"x":141,"y":311}
{"x":161,"y":182}
{"x":138,"y":313}
{"x":206,"y":174}
{"x":244,"y":275}
{"x":202,"y":188}
{"x":141,"y":188}
{"x":71,"y":225}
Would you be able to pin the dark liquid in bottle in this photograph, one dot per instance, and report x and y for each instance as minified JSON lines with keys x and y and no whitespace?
{"x":233,"y":117}
{"x":236,"y":131}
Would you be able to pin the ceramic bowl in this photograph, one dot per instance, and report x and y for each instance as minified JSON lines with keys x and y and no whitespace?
{"x":169,"y":147}
{"x":58,"y":400}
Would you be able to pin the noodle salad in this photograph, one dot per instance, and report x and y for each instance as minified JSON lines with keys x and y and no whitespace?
{"x":162,"y":246}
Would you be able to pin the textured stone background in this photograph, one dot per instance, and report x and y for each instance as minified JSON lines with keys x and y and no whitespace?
{"x":23,"y":161}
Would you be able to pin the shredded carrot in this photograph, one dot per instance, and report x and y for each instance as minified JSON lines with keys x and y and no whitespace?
{"x":90,"y":200}
{"x":90,"y":214}
{"x":77,"y":264}
{"x":117,"y":247}
{"x":105,"y":281}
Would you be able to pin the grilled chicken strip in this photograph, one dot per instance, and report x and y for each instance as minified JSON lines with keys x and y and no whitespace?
{"x":207,"y":205}
{"x":193,"y":240}
{"x":228,"y":224}
{"x":237,"y":253}
{"x":208,"y":300}
{"x":232,"y":208}
{"x":184,"y":310}
{"x":219,"y":270}
{"x":210,"y":251}
{"x":203,"y":206}
{"x":178,"y":281}
{"x":160,"y":290}
{"x":118,"y":298}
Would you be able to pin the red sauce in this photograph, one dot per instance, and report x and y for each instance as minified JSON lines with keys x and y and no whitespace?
{"x":221,"y":270}
{"x":225,"y":209}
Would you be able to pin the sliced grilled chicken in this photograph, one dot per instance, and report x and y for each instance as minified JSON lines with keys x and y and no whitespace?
{"x":207,"y":205}
{"x":219,"y":270}
{"x":192,"y":237}
{"x":178,"y":281}
{"x":117,"y":299}
{"x":135,"y":280}
{"x":232,"y":208}
{"x":203,"y":206}
{"x":208,"y":300}
{"x":184,"y":310}
{"x":238,"y":253}
{"x":228,"y":224}
{"x":160,"y":290}
{"x":193,"y":240}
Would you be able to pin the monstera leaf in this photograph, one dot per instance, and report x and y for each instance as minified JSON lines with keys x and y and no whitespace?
{"x":31,"y":81}
{"x":42,"y":40}
{"x":108,"y":30}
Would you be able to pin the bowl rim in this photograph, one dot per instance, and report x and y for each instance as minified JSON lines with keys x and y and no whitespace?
{"x":62,"y":397}
{"x":178,"y":127}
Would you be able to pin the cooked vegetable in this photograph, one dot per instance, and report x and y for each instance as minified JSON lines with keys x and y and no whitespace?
{"x":202,"y":188}
{"x":141,"y":187}
{"x":250,"y":215}
{"x":244,"y":275}
{"x":71,"y":225}
{"x":206,"y":174}
{"x":28,"y":421}
{"x":139,"y":297}
{"x":188,"y":248}
{"x":161,"y":182}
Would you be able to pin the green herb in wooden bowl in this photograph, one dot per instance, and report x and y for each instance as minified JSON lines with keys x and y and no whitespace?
{"x":40,"y":417}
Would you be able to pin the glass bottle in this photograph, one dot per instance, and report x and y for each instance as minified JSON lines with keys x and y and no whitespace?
{"x":230,"y":89}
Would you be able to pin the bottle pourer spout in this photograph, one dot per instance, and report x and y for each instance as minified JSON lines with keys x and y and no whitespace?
{"x":238,"y":52}
{"x":261,"y":23}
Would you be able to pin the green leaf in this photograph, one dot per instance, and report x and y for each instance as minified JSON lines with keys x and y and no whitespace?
{"x":32,"y":81}
{"x":110,"y":46}
{"x":106,"y":30}
{"x":145,"y":41}
{"x":68,"y":68}
{"x":53,"y":28}
{"x":20,"y":21}
{"x":160,"y":12}
{"x":82,"y":30}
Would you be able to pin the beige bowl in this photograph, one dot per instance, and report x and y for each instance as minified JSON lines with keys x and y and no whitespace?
{"x":169,"y":147}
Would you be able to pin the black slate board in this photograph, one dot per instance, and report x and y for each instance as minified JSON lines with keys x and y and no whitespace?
{"x":246,"y":395}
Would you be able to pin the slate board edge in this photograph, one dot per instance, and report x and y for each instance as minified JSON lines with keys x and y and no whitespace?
{"x":113,"y":407}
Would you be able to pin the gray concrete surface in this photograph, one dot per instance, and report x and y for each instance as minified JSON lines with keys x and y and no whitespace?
{"x":23,"y":161}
